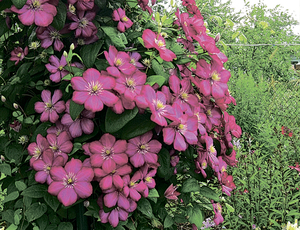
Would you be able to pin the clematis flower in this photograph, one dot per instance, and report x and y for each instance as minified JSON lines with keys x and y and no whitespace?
{"x":124,"y":22}
{"x":108,"y":153}
{"x":50,"y":106}
{"x":181,"y":131}
{"x":147,"y":175}
{"x":37,"y":148}
{"x":71,"y":182}
{"x":118,"y":61}
{"x":92,"y":90}
{"x":58,"y":129}
{"x":48,"y":36}
{"x":43,"y":166}
{"x":82,"y":4}
{"x":18,"y":54}
{"x":130,"y":86}
{"x":39,"y":12}
{"x":56,"y":68}
{"x":142,"y":149}
{"x":218,"y":210}
{"x":60,"y":145}
{"x":82,"y":124}
{"x":151,"y":40}
{"x":134,"y":187}
{"x":171,"y":193}
{"x":156,"y":101}
{"x":227,"y":183}
{"x":83,"y":24}
{"x":134,"y":60}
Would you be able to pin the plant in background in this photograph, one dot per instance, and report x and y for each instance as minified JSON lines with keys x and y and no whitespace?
{"x":111,"y":142}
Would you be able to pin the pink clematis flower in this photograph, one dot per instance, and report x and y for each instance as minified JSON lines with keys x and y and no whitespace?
{"x":60,"y":145}
{"x":37,"y":148}
{"x":92,"y":90}
{"x":134,"y":187}
{"x":218,"y":210}
{"x":83,"y":24}
{"x":142,"y":149}
{"x":130,"y":86}
{"x":181,"y":131}
{"x":227,"y":183}
{"x":18,"y":54}
{"x":211,"y":79}
{"x":50,"y":35}
{"x":82,"y":124}
{"x":147,"y":174}
{"x":71,"y":182}
{"x":58,"y":129}
{"x":50,"y":106}
{"x":39,"y":12}
{"x":43,"y":166}
{"x":118,"y":61}
{"x":82,"y":4}
{"x":56,"y":68}
{"x":124,"y":22}
{"x":134,"y":60}
{"x":171,"y":193}
{"x":108,"y":153}
{"x":156,"y":101}
{"x":151,"y":40}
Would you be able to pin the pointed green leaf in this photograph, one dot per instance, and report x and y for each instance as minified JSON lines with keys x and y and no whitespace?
{"x":190,"y":185}
{"x":144,"y":207}
{"x":209,"y":193}
{"x":35,"y":211}
{"x":20,"y":185}
{"x":195,"y":215}
{"x":169,"y":221}
{"x":65,"y":226}
{"x":52,"y":201}
{"x":151,"y":80}
{"x":18,"y":3}
{"x":60,"y":18}
{"x":75,"y":110}
{"x":114,"y":36}
{"x":35,"y":191}
{"x":89,"y":53}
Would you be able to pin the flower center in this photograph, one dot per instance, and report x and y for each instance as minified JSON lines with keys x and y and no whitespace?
{"x":69,"y":180}
{"x":212,"y":149}
{"x":132,"y":61}
{"x":48,"y":105}
{"x":60,"y":68}
{"x":180,"y":126}
{"x":35,"y":5}
{"x":107,"y":151}
{"x":208,"y":112}
{"x":159,"y":105}
{"x":83,"y":23}
{"x":223,"y":169}
{"x":54,"y":148}
{"x":55,"y":35}
{"x":130,"y":83}
{"x":204,"y":165}
{"x":215,"y":76}
{"x":19,"y":54}
{"x":184,"y":95}
{"x":148,"y":179}
{"x":146,"y":62}
{"x":72,"y":9}
{"x":94,"y":88}
{"x":219,"y":208}
{"x":132,"y":183}
{"x":48,"y":168}
{"x":118,"y":62}
{"x":124,"y":19}
{"x":160,"y":43}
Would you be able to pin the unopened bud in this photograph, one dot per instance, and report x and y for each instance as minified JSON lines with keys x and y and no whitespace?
{"x":217,"y":38}
{"x":86,"y":203}
{"x":47,"y":82}
{"x":15,"y":105}
{"x":65,"y":53}
{"x":3,"y":99}
{"x":2,"y":158}
{"x":72,"y":47}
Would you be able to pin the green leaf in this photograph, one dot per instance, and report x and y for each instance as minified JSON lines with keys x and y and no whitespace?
{"x":17,"y":216}
{"x":20,"y":185}
{"x":168,"y":222}
{"x":51,"y":227}
{"x":43,"y":222}
{"x":65,"y":226}
{"x":23,"y":70}
{"x":35,"y":191}
{"x":182,"y":61}
{"x":8,"y":215}
{"x":5,"y":4}
{"x":235,"y":34}
{"x":151,"y":80}
{"x":41,"y":129}
{"x":190,"y":185}
{"x":164,"y":170}
{"x":3,"y":27}
{"x":5,"y":169}
{"x":14,"y":152}
{"x":18,"y":3}
{"x":229,"y":207}
{"x":114,"y":122}
{"x":12,"y":227}
{"x":5,"y":114}
{"x":195,"y":215}
{"x":229,"y":23}
{"x":76,"y":71}
{"x":35,"y":211}
{"x":153,"y":193}
{"x":101,"y":64}
{"x":89,"y":53}
{"x":12,"y":196}
{"x":209,"y":193}
{"x":177,"y":49}
{"x":60,"y":18}
{"x":75,"y":110}
{"x":52,"y":201}
{"x":159,"y":69}
{"x":114,"y":36}
{"x":144,"y":207}
{"x":137,"y":126}
{"x":217,"y":18}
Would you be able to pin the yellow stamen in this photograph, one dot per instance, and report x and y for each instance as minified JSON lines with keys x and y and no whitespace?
{"x":159,"y":105}
{"x":60,"y":67}
{"x":180,"y":126}
{"x":184,"y":96}
{"x":107,"y":151}
{"x":208,"y":112}
{"x":49,"y":105}
{"x":95,"y":88}
{"x":212,"y":149}
{"x":70,"y":181}
{"x":19,"y":54}
{"x":215,"y":76}
{"x":204,"y":164}
{"x":48,"y":168}
{"x":118,"y":62}
{"x":124,"y":19}
{"x":54,"y":148}
{"x":148,"y":179}
{"x":143,"y":147}
{"x":132,"y":183}
{"x":36,"y":4}
{"x":160,"y":43}
{"x":130,"y":82}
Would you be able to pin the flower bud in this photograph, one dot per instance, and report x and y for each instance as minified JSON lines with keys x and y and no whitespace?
{"x":15,"y":105}
{"x":3,"y":99}
{"x":72,"y":47}
{"x":47,"y":82}
{"x":217,"y":38}
{"x":86,"y":203}
{"x":2,"y":158}
{"x":65,"y":53}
